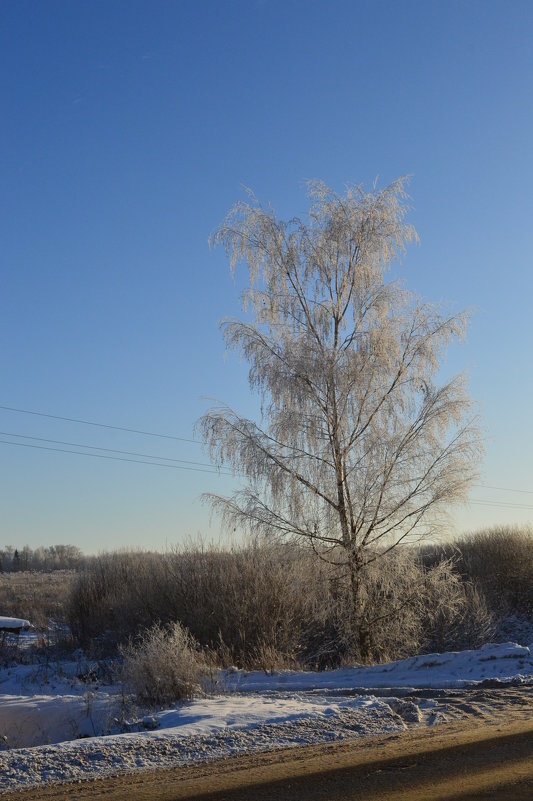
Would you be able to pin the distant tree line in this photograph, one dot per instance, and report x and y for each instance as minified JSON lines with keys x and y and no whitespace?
{"x":53,"y":557}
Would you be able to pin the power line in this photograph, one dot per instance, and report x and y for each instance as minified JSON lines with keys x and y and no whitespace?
{"x":218,"y":472}
{"x":99,"y":425}
{"x":112,"y":458}
{"x":505,"y":489}
{"x":176,"y":438}
{"x":109,"y":450}
{"x":499,"y":504}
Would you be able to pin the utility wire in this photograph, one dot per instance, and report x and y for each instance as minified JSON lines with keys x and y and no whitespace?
{"x":99,"y":425}
{"x":475,"y":501}
{"x":191,"y":469}
{"x":108,"y":450}
{"x":505,"y":489}
{"x":500,"y":505}
{"x":112,"y":458}
{"x":170,"y":436}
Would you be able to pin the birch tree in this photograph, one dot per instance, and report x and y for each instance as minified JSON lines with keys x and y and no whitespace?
{"x":358,"y":449}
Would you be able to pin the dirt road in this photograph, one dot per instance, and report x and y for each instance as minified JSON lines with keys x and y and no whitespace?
{"x":453,"y":762}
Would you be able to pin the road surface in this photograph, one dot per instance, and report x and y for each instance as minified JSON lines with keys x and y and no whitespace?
{"x":453,"y":762}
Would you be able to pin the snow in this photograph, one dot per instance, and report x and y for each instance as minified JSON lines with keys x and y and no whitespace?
{"x":14,"y":624}
{"x":210,"y":728}
{"x":452,"y":669}
{"x":236,"y":712}
{"x":102,"y":756}
{"x":56,"y":726}
{"x":37,"y":719}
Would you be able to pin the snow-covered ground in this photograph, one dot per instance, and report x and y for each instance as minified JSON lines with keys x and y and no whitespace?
{"x":14,"y":624}
{"x":502,"y":662}
{"x":56,"y":726}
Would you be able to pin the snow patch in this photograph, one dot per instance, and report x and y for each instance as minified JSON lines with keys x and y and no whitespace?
{"x":459,"y":669}
{"x":14,"y":624}
{"x":64,"y":716}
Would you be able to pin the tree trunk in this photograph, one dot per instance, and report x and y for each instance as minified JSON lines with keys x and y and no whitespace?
{"x":360,"y":623}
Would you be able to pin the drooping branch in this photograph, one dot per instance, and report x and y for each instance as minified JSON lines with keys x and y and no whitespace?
{"x":360,"y":451}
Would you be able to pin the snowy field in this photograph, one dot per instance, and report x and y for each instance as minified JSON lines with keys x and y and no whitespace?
{"x":56,"y":726}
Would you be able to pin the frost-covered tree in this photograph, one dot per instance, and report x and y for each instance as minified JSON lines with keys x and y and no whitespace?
{"x":358,"y":450}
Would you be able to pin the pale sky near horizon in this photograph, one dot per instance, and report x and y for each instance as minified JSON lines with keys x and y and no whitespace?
{"x":128,"y":130}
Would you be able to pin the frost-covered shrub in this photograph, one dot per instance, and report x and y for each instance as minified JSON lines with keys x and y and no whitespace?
{"x":498,"y":562}
{"x":456,"y":614}
{"x":258,"y":604}
{"x":409,"y":608}
{"x":263,"y":604}
{"x":501,"y":561}
{"x":116,"y":595}
{"x":162,"y":665}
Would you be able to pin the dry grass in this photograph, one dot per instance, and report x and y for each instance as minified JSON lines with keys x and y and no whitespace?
{"x":37,"y":597}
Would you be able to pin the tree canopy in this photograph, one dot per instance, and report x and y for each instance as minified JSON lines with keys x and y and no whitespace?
{"x":358,"y":448}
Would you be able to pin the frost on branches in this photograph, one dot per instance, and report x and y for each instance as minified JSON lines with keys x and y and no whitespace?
{"x":358,"y":450}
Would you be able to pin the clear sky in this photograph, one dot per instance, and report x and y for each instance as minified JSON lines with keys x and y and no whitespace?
{"x":128,"y":130}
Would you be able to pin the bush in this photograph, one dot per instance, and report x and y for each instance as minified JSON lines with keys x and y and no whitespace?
{"x":162,"y":665}
{"x":456,"y":614}
{"x":259,"y":604}
{"x":116,"y":595}
{"x":269,"y":605}
{"x":499,"y":562}
{"x":256,"y":605}
{"x":411,"y":608}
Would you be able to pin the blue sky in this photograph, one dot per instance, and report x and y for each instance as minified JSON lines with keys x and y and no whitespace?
{"x":128,"y":130}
